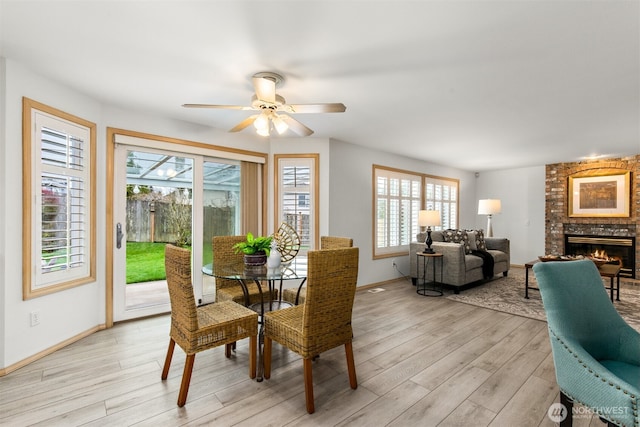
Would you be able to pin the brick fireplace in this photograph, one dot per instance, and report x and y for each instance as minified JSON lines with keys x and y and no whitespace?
{"x":558,"y":223}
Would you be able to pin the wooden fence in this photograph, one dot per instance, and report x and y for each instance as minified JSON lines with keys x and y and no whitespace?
{"x":149,"y":222}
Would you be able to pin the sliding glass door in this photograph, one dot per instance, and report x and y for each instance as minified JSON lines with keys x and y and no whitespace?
{"x":220,"y":210}
{"x":167,"y":197}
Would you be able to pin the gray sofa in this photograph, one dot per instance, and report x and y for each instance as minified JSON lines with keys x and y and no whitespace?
{"x":459,"y":268}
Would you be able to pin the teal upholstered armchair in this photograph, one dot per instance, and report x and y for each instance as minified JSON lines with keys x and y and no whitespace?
{"x":595,"y":352}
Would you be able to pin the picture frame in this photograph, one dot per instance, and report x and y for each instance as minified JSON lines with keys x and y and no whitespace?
{"x":600,"y":195}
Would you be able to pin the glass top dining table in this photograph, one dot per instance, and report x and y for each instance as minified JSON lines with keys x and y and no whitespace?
{"x":294,"y":270}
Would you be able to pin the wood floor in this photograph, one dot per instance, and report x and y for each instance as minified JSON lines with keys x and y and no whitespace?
{"x":420,"y":361}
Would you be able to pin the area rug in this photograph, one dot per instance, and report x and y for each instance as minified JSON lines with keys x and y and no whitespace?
{"x":506,"y":294}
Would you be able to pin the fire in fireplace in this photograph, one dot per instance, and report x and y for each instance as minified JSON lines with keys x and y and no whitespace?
{"x":601,"y":255}
{"x":611,"y":249}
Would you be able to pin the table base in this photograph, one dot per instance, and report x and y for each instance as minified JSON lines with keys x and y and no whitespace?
{"x":432,"y":288}
{"x":258,"y":308}
{"x":608,"y":270}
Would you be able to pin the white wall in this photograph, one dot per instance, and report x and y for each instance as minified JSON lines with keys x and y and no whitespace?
{"x":351,"y":202}
{"x":63,"y":314}
{"x":3,"y":222}
{"x":142,"y":122}
{"x":522,"y":193}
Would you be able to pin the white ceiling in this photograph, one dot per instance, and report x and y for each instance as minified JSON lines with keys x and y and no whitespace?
{"x":479,"y":85}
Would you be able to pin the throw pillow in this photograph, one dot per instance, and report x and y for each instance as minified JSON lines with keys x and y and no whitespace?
{"x":476,"y":240}
{"x":472,"y":239}
{"x":457,"y":236}
{"x":480,"y":243}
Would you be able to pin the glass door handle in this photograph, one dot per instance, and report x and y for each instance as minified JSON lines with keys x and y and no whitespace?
{"x":119,"y":235}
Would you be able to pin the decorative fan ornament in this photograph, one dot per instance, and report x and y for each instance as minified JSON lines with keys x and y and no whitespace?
{"x":288,"y":242}
{"x":273,"y":107}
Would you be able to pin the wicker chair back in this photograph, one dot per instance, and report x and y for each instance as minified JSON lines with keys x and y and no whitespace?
{"x":334,"y":242}
{"x":224,"y":254}
{"x":331,"y":287}
{"x":184,"y":317}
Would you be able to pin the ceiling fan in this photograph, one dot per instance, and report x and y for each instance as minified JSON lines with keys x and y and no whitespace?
{"x":273,"y":108}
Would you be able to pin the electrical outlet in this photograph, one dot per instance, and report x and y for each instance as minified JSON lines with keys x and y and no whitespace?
{"x":393,"y":263}
{"x":35,"y":318}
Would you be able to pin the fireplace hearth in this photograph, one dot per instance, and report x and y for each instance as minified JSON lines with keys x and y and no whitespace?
{"x":614,"y":248}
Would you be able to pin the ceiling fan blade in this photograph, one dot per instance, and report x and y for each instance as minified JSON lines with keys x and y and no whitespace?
{"x":314,"y":108}
{"x":243,"y":124}
{"x":296,"y":126}
{"x":227,"y":107}
{"x":265,"y":89}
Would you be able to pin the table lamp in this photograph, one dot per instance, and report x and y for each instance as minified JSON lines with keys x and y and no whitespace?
{"x":428,"y":219}
{"x":489,"y":207}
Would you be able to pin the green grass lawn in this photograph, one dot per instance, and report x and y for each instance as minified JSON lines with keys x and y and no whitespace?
{"x":145,"y":262}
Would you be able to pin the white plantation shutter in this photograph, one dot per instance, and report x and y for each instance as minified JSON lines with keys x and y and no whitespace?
{"x":61,"y":205}
{"x":297,"y":198}
{"x":397,"y":203}
{"x":398,"y":197}
{"x":441,"y":194}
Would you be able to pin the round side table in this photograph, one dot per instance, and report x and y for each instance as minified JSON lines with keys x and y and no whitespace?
{"x":432,"y":288}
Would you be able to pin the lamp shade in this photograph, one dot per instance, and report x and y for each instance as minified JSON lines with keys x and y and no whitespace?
{"x":489,"y":206}
{"x":428,"y":218}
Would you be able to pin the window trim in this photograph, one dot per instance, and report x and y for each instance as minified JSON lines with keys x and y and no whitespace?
{"x":315,"y":185}
{"x":29,"y":290}
{"x":388,"y":253}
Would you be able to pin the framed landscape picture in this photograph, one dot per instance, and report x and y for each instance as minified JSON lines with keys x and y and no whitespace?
{"x":605,"y":195}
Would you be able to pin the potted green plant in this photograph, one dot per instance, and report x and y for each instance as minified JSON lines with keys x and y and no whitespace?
{"x":255,"y":249}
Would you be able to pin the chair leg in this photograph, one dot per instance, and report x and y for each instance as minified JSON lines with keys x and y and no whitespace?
{"x":186,"y":379}
{"x":351,"y":366}
{"x":167,"y":360}
{"x":266,"y":357}
{"x":568,"y":403}
{"x":308,"y":385}
{"x":253,"y":347}
{"x":229,"y":348}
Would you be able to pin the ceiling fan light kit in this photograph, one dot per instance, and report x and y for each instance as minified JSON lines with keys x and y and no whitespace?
{"x":269,"y":103}
{"x":264,"y":121}
{"x":261,"y":123}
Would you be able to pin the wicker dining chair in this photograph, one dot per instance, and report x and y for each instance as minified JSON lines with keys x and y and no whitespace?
{"x":200,"y":328}
{"x":230,"y":289}
{"x":298,"y":295}
{"x":323,"y":321}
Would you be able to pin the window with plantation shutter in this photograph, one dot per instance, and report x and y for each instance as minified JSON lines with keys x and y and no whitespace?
{"x":398,"y":196}
{"x":397,"y":203}
{"x":296,"y":196}
{"x":60,"y":214}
